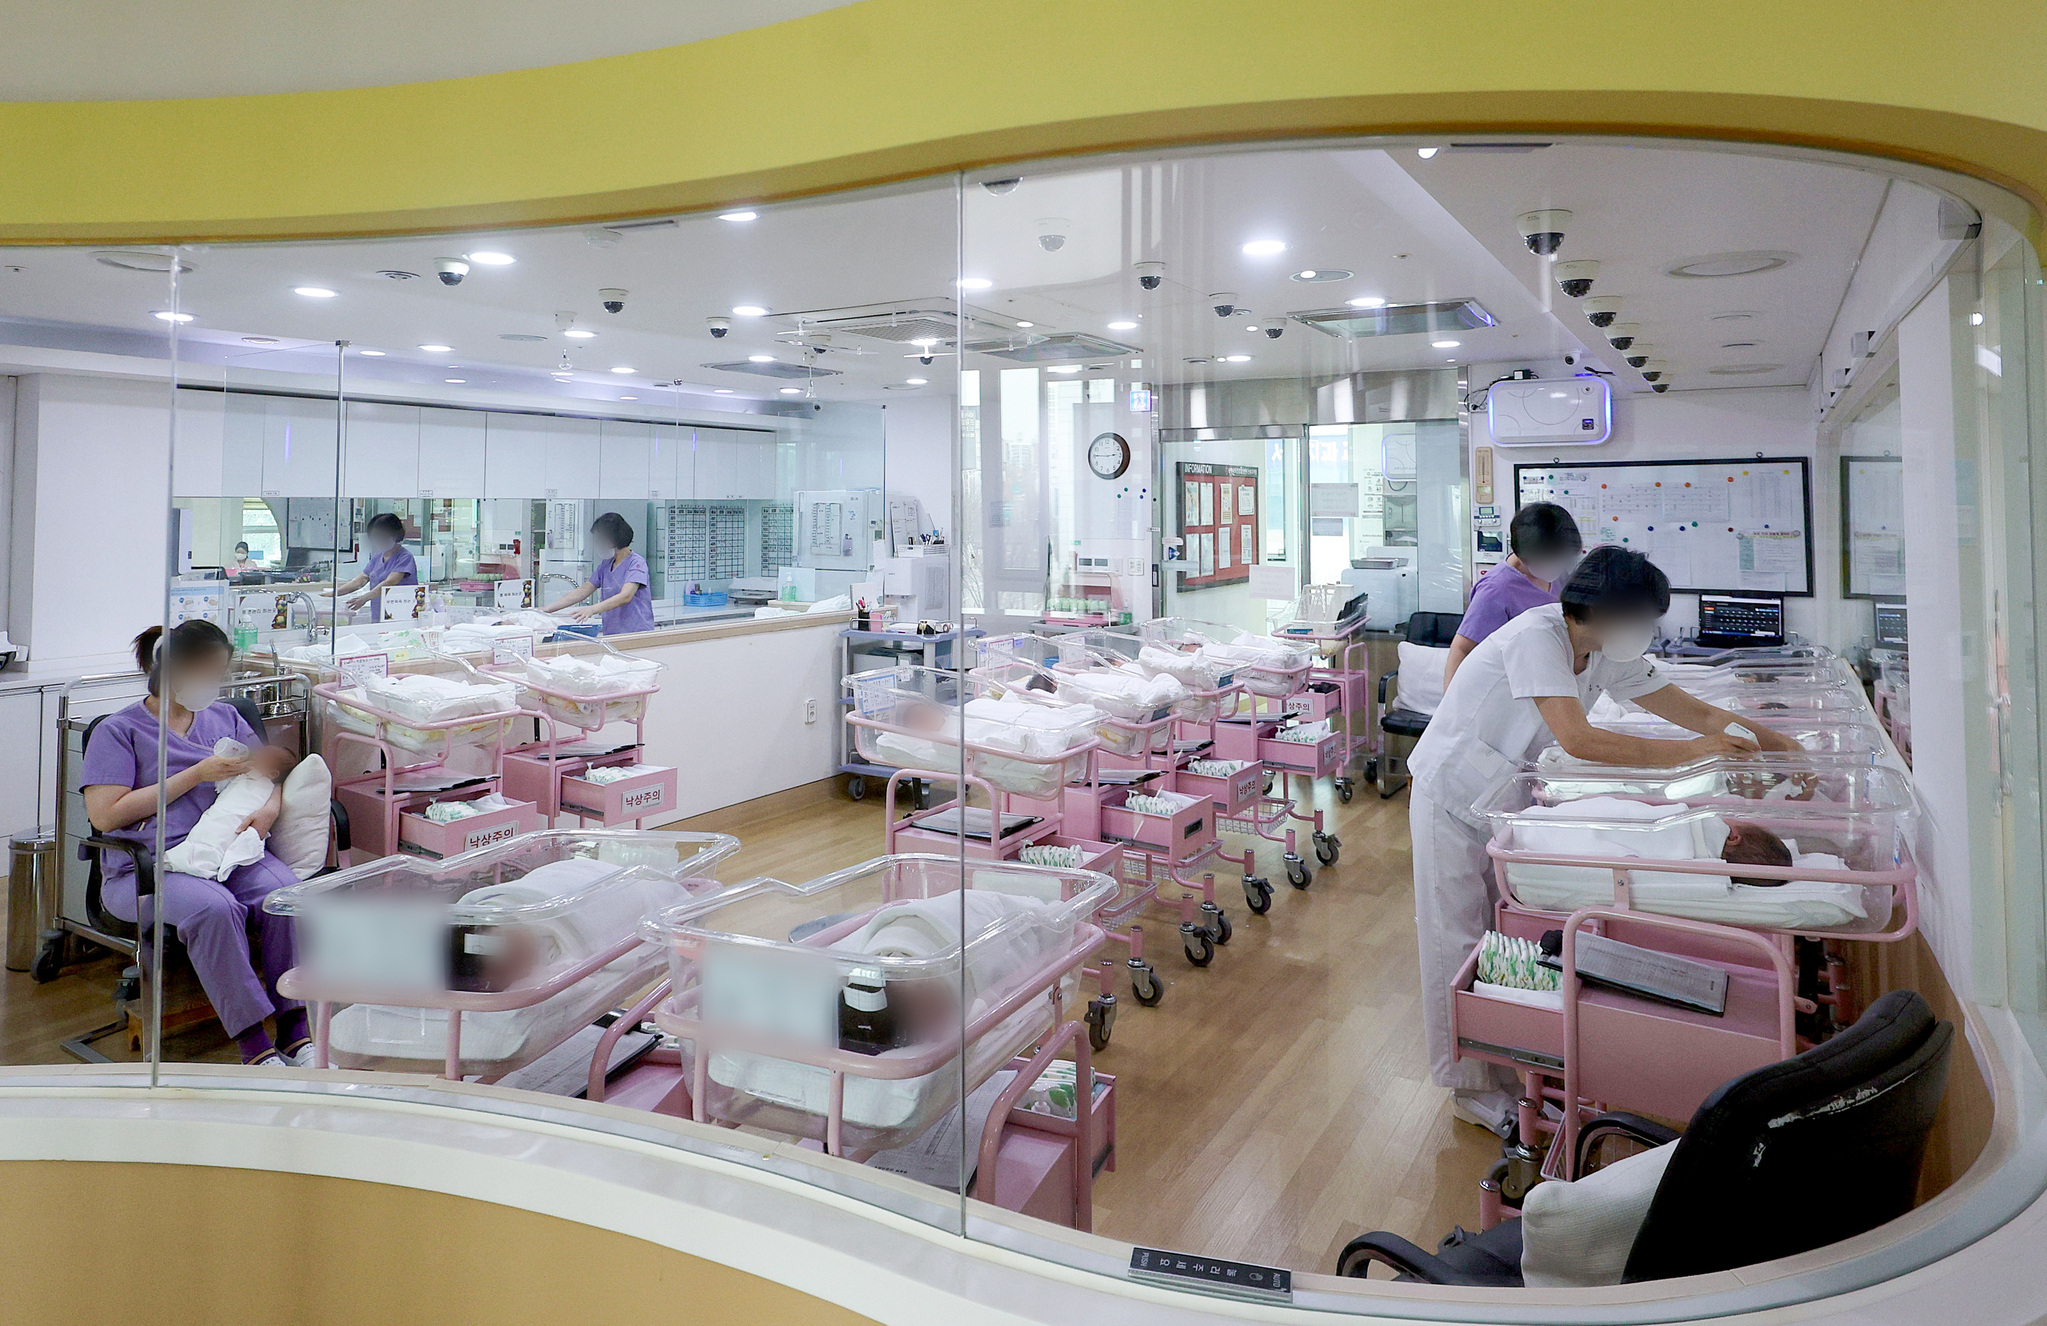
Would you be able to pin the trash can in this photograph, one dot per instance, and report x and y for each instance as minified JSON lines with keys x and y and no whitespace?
{"x":31,"y":894}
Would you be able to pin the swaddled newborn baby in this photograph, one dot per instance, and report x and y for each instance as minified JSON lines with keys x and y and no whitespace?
{"x":1753,"y":845}
{"x":230,"y":834}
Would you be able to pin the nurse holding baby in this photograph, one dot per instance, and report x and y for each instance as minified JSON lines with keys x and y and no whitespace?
{"x":1526,"y":685}
{"x":184,"y":711}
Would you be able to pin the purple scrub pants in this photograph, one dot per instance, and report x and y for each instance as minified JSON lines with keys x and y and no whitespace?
{"x":212,"y":921}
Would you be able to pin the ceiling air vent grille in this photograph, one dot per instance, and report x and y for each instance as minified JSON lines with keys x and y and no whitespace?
{"x":774,"y":370}
{"x":1398,"y":319}
{"x":1063,"y":345}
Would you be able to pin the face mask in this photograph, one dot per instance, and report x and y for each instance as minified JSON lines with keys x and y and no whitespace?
{"x":1551,"y":570}
{"x":197,"y":695}
{"x":604,"y":549}
{"x":1625,"y":644}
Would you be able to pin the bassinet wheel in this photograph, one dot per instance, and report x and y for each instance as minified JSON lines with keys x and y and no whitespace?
{"x":856,"y":787}
{"x":1200,"y":948}
{"x":1345,"y":790}
{"x":1297,"y":872}
{"x":1327,"y":846}
{"x":1257,"y":895}
{"x":1101,"y":1022}
{"x":1144,"y":984}
{"x":1219,"y":929}
{"x":49,"y":963}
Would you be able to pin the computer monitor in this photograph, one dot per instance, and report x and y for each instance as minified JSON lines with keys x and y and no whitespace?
{"x":1735,"y":621}
{"x":1890,"y":624}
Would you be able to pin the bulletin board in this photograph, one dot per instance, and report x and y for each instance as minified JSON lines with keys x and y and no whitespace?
{"x":1218,"y":524}
{"x":1873,"y":527}
{"x":1712,"y":526}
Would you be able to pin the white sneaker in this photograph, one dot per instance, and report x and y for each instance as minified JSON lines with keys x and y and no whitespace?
{"x":1494,"y":1111}
{"x":302,"y":1057}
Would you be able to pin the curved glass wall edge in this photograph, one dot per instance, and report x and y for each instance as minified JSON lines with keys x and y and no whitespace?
{"x":1151,"y":400}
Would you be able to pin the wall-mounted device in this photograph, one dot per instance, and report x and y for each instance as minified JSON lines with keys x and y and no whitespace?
{"x":1557,"y":412}
{"x":836,"y":528}
{"x":1738,"y":621}
{"x":1890,"y":624}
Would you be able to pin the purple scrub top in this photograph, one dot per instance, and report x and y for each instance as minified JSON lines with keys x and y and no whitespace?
{"x":382,"y":565}
{"x":123,"y":754}
{"x":611,"y":578}
{"x":1501,"y":595}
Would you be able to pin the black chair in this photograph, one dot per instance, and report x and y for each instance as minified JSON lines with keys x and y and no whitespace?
{"x":1405,"y":726}
{"x":1782,"y":1160}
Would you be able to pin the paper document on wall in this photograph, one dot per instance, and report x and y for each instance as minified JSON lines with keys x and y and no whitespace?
{"x":1332,"y":499}
{"x":1271,"y":582}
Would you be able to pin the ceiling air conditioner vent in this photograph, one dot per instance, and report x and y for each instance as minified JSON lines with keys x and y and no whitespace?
{"x":775,"y":370}
{"x":1064,"y":345}
{"x":901,"y":324}
{"x":1398,"y":319}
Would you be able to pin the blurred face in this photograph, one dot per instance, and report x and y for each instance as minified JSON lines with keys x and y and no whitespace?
{"x":1551,"y":567}
{"x":195,"y":681}
{"x":1625,"y":639}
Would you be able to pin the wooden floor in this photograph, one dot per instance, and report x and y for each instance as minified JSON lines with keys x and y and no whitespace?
{"x":1272,"y":1106}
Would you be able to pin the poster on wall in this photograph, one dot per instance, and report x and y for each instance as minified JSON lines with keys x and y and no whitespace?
{"x":1873,"y":527}
{"x":1715,"y":526}
{"x":1214,"y":499}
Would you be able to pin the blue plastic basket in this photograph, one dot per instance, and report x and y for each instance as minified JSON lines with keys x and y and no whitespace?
{"x":717,"y":600}
{"x":578,"y":630}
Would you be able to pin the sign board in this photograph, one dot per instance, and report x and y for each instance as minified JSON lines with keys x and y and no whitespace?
{"x":489,"y":836}
{"x":1333,"y":499}
{"x":511,"y":595}
{"x":1272,"y":582}
{"x":354,"y":667}
{"x":404,"y":603}
{"x":512,"y":648}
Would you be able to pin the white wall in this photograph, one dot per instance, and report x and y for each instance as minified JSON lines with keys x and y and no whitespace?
{"x":1697,"y":425}
{"x":91,"y":492}
{"x":917,"y":433}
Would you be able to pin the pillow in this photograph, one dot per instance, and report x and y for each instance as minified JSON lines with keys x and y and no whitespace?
{"x":1421,"y":677}
{"x":299,"y":838}
{"x":1575,"y":1235}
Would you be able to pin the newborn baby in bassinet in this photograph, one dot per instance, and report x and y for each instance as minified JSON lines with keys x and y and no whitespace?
{"x":251,"y":807}
{"x":1753,"y":845}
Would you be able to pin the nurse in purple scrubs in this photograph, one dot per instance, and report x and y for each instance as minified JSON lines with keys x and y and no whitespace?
{"x":1544,"y":544}
{"x":186,"y":671}
{"x":389,"y":565}
{"x":618,"y":578}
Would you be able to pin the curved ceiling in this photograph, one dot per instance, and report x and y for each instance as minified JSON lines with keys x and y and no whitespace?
{"x":118,"y":50}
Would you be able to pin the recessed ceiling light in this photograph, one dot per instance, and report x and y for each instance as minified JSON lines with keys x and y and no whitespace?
{"x":737,"y":216}
{"x":721,"y":391}
{"x":1318,"y":275}
{"x":760,"y":359}
{"x":1366,"y":301}
{"x":1446,"y":345}
{"x":577,"y":334}
{"x":165,"y":315}
{"x":628,"y":398}
{"x":1426,"y":152}
{"x":1250,"y":326}
{"x":1199,"y":359}
{"x":313,"y":291}
{"x":1975,"y":320}
{"x":1026,"y":324}
{"x":1731,"y":264}
{"x":437,"y":349}
{"x":748,"y":311}
{"x":622,"y":368}
{"x":1264,"y":248}
{"x":975,"y":283}
{"x":457,"y":381}
{"x":272,"y":340}
{"x":1123,"y":326}
{"x":489,"y":259}
{"x":374,"y":354}
{"x":1236,"y":359}
{"x":1064,"y":368}
{"x":792,"y":391}
{"x":916,"y":382}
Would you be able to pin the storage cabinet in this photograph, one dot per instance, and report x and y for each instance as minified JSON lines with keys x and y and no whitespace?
{"x":626,"y":460}
{"x":382,"y":450}
{"x":453,"y":450}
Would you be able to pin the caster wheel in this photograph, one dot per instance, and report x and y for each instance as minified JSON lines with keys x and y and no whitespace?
{"x":1268,"y":785}
{"x":1297,"y":872}
{"x":1101,"y":1022}
{"x":856,"y":787}
{"x":1200,"y":949}
{"x":1327,"y":847}
{"x":1220,"y":930}
{"x":1372,"y":770}
{"x":1257,"y":895}
{"x":1345,"y":790}
{"x":1144,"y":983}
{"x":49,"y":963}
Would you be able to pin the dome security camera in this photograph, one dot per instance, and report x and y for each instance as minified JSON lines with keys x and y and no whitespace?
{"x":1654,"y":369}
{"x":1275,"y":330}
{"x":719,"y":327}
{"x":924,"y":359}
{"x":1601,"y":310}
{"x":1621,"y":335}
{"x":1659,"y":387}
{"x":1150,"y":274}
{"x":1001,"y":187}
{"x":1224,"y":302}
{"x":1052,"y":233}
{"x":1638,"y":354}
{"x":614,"y":299}
{"x":450,"y":270}
{"x":1575,"y":278}
{"x":1543,"y":231}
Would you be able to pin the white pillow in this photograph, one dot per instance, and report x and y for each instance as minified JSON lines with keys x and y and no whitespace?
{"x":299,"y":838}
{"x":1420,"y":686}
{"x":1575,"y":1235}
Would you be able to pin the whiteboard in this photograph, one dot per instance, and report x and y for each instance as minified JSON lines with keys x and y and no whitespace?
{"x":1713,"y":526}
{"x":1873,"y":527}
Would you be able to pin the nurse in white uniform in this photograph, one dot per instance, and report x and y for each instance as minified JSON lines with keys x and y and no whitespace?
{"x":1525,"y":685}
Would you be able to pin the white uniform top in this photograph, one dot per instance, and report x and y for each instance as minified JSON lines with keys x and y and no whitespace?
{"x":1488,"y":726}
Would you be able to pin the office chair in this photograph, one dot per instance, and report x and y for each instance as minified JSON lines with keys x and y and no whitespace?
{"x":1435,"y":629}
{"x":1790,"y":1157}
{"x":132,"y":990}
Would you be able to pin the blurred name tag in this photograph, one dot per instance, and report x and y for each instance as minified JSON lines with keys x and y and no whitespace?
{"x":376,"y":943}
